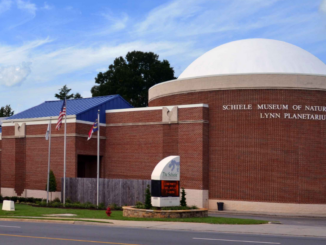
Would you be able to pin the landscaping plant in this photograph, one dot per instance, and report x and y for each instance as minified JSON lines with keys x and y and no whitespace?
{"x":52,"y":183}
{"x":183,"y":202}
{"x":148,"y":201}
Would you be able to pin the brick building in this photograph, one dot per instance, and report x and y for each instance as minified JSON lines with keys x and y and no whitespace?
{"x":247,"y":120}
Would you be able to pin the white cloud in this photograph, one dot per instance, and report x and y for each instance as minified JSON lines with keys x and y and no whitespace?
{"x":14,"y":75}
{"x":322,"y":6}
{"x":5,"y":5}
{"x":116,"y":23}
{"x":46,"y":6}
{"x":27,"y":6}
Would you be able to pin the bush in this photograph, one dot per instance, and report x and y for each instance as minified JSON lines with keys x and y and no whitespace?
{"x":101,"y":206}
{"x":1,"y":199}
{"x":56,"y":200}
{"x":183,"y":201}
{"x":148,"y":201}
{"x":140,"y":205}
{"x":68,"y":200}
{"x":30,"y":199}
{"x":114,"y":206}
{"x":14,"y":199}
{"x":56,"y":204}
{"x":21,"y":199}
{"x":6,"y":198}
{"x":193,"y":207}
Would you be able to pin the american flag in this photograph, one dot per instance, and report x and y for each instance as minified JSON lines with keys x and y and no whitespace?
{"x":62,"y":113}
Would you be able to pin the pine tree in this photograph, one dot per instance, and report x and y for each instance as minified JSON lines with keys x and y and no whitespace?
{"x":183,"y":201}
{"x":148,"y":201}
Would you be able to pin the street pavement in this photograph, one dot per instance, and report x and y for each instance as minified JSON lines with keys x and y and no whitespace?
{"x":28,"y":233}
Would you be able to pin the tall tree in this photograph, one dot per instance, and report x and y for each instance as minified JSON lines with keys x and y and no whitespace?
{"x":64,"y":93}
{"x":6,"y":111}
{"x":133,"y":76}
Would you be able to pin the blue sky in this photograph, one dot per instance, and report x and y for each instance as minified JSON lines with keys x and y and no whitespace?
{"x":47,"y":44}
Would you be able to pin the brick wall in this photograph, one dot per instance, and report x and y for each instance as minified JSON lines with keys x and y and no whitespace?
{"x":132,"y":151}
{"x":255,"y":159}
{"x":24,"y":161}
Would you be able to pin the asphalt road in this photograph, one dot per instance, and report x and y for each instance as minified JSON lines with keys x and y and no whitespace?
{"x":64,"y":234}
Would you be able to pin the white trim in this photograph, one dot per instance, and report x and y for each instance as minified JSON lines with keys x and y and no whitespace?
{"x":0,"y":136}
{"x":237,"y":74}
{"x":89,"y":123}
{"x":37,"y":121}
{"x":156,"y":108}
{"x":45,"y":120}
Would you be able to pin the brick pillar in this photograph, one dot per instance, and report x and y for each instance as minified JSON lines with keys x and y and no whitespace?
{"x":170,"y":139}
{"x":20,"y":165}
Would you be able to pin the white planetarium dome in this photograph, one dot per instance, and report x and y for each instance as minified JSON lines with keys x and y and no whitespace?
{"x":255,"y":56}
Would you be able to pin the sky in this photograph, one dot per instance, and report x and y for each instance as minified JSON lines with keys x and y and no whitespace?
{"x":47,"y":44}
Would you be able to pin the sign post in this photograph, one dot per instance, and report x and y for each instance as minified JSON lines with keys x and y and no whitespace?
{"x":165,"y":189}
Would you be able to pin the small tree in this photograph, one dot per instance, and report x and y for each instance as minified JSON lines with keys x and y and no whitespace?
{"x":148,"y":201}
{"x":183,"y":202}
{"x":6,"y":111}
{"x":64,"y":93}
{"x":77,"y":96}
{"x":52,"y":184}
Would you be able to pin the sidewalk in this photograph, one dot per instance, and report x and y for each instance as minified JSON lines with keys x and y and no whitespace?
{"x":268,"y":214}
{"x":267,"y":229}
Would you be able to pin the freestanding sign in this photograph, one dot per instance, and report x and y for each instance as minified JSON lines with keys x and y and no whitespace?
{"x":165,"y":188}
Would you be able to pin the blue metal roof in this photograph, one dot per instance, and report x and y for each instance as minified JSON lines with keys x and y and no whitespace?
{"x":84,"y":109}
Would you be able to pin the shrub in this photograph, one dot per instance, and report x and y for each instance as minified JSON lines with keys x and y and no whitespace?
{"x":21,"y":199}
{"x":183,"y":201}
{"x":148,"y":201}
{"x":30,"y":199}
{"x":140,"y":205}
{"x":114,"y":206}
{"x":68,"y":200}
{"x":6,"y":198}
{"x":52,"y":183}
{"x":101,"y":206}
{"x":14,"y":199}
{"x":1,"y":199}
{"x":56,"y":200}
{"x":56,"y":204}
{"x":194,"y":207}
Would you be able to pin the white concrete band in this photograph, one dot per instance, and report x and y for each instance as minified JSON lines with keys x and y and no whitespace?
{"x":236,"y":82}
{"x":155,"y":108}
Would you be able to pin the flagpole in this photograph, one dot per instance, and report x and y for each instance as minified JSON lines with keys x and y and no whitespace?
{"x":98,"y":155}
{"x":64,"y":159}
{"x":49,"y":159}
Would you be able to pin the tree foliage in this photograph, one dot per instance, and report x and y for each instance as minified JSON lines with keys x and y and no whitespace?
{"x":6,"y":111}
{"x":132,"y":76}
{"x":183,"y":201}
{"x":52,"y":183}
{"x":64,"y":93}
{"x":77,"y":96}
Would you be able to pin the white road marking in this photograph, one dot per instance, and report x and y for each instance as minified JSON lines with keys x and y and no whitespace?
{"x":211,"y":239}
{"x":9,"y":226}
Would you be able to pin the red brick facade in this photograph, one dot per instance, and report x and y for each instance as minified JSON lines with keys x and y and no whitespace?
{"x":24,"y":161}
{"x":260,"y":159}
{"x":138,"y":140}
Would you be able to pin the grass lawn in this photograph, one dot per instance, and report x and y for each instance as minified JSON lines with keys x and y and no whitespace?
{"x":26,"y":210}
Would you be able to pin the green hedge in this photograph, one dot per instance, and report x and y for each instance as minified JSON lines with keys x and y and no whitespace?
{"x":21,"y":199}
